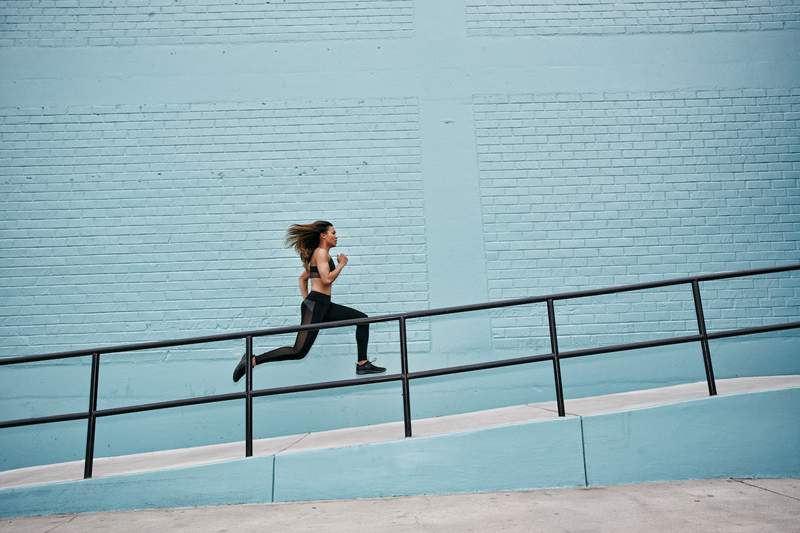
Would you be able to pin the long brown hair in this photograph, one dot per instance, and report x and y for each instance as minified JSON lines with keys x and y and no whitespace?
{"x":305,"y":238}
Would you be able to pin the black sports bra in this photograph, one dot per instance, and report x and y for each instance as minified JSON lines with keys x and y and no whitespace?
{"x":315,"y":270}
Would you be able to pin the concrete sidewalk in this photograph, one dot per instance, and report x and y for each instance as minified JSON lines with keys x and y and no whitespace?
{"x":716,"y":505}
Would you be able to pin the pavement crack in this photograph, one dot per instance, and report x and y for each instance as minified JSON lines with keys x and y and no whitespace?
{"x":763,"y":488}
{"x":555,"y":410}
{"x":292,"y":443}
{"x":73,"y":517}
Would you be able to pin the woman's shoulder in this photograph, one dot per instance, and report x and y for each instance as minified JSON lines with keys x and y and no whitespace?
{"x":321,"y":253}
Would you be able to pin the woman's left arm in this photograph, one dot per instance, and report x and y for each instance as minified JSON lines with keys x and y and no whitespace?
{"x":304,"y":283}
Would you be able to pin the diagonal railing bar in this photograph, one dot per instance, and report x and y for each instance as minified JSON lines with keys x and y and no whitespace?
{"x":150,"y":345}
{"x":405,"y":376}
{"x":753,"y":329}
{"x":629,"y":346}
{"x":389,"y":317}
{"x":486,"y":365}
{"x":326,"y":385}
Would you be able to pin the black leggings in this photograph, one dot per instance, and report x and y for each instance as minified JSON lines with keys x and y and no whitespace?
{"x":318,"y":307}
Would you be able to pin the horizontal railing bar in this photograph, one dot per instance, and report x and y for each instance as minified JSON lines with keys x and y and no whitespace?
{"x":675,"y":281}
{"x":128,"y":409}
{"x":629,"y":346}
{"x":195,"y":340}
{"x":753,"y":329}
{"x":676,"y":340}
{"x":397,"y":377}
{"x":43,"y":420}
{"x":595,"y":292}
{"x":169,"y":403}
{"x":751,"y":272}
{"x":264,"y":392}
{"x":394,"y":316}
{"x":479,"y":366}
{"x":326,"y":385}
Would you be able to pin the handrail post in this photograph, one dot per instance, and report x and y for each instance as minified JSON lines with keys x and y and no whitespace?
{"x":701,"y":325}
{"x":248,"y":400}
{"x":404,"y":372}
{"x":551,"y":320}
{"x":92,"y":418}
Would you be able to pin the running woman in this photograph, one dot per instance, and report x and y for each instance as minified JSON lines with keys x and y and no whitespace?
{"x":313,"y":242}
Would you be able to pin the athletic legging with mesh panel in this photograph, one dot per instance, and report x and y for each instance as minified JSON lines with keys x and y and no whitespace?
{"x":318,"y":307}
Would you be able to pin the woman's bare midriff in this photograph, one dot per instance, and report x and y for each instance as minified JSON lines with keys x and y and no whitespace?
{"x":317,"y":285}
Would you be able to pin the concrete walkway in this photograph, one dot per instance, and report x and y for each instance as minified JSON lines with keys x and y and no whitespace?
{"x":708,"y":506}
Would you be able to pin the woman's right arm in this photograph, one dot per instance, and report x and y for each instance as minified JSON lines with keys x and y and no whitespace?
{"x":327,"y":275}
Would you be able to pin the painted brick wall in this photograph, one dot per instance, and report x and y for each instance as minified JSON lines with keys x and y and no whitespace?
{"x":585,"y":190}
{"x":559,"y":17}
{"x":148,"y":22}
{"x":131,"y":222}
{"x":145,"y":191}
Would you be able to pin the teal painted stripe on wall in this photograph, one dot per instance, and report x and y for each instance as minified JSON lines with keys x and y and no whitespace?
{"x":754,"y":435}
{"x":240,"y":481}
{"x":538,"y":454}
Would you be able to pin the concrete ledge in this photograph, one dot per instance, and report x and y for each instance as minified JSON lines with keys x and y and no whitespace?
{"x":390,"y":431}
{"x":531,"y":455}
{"x":752,"y":433}
{"x":242,"y":481}
{"x":747,"y":435}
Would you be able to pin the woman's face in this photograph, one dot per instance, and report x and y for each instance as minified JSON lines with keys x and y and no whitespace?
{"x":329,"y":236}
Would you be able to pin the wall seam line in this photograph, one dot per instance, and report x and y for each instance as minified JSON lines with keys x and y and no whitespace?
{"x":272,"y":494}
{"x":583,"y":453}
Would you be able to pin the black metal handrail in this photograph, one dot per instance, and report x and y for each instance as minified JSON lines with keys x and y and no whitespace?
{"x":405,"y":376}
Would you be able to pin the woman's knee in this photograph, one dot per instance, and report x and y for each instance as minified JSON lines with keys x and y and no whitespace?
{"x":355,"y":313}
{"x":303,"y":351}
{"x":297,"y":354}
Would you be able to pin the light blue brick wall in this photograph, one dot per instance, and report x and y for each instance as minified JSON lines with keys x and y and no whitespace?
{"x":151,"y":163}
{"x":134,"y":221}
{"x":599,"y":189}
{"x":559,"y":17}
{"x":173,"y":22}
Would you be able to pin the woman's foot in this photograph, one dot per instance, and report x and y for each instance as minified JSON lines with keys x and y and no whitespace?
{"x":368,"y":368}
{"x":240,"y":369}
